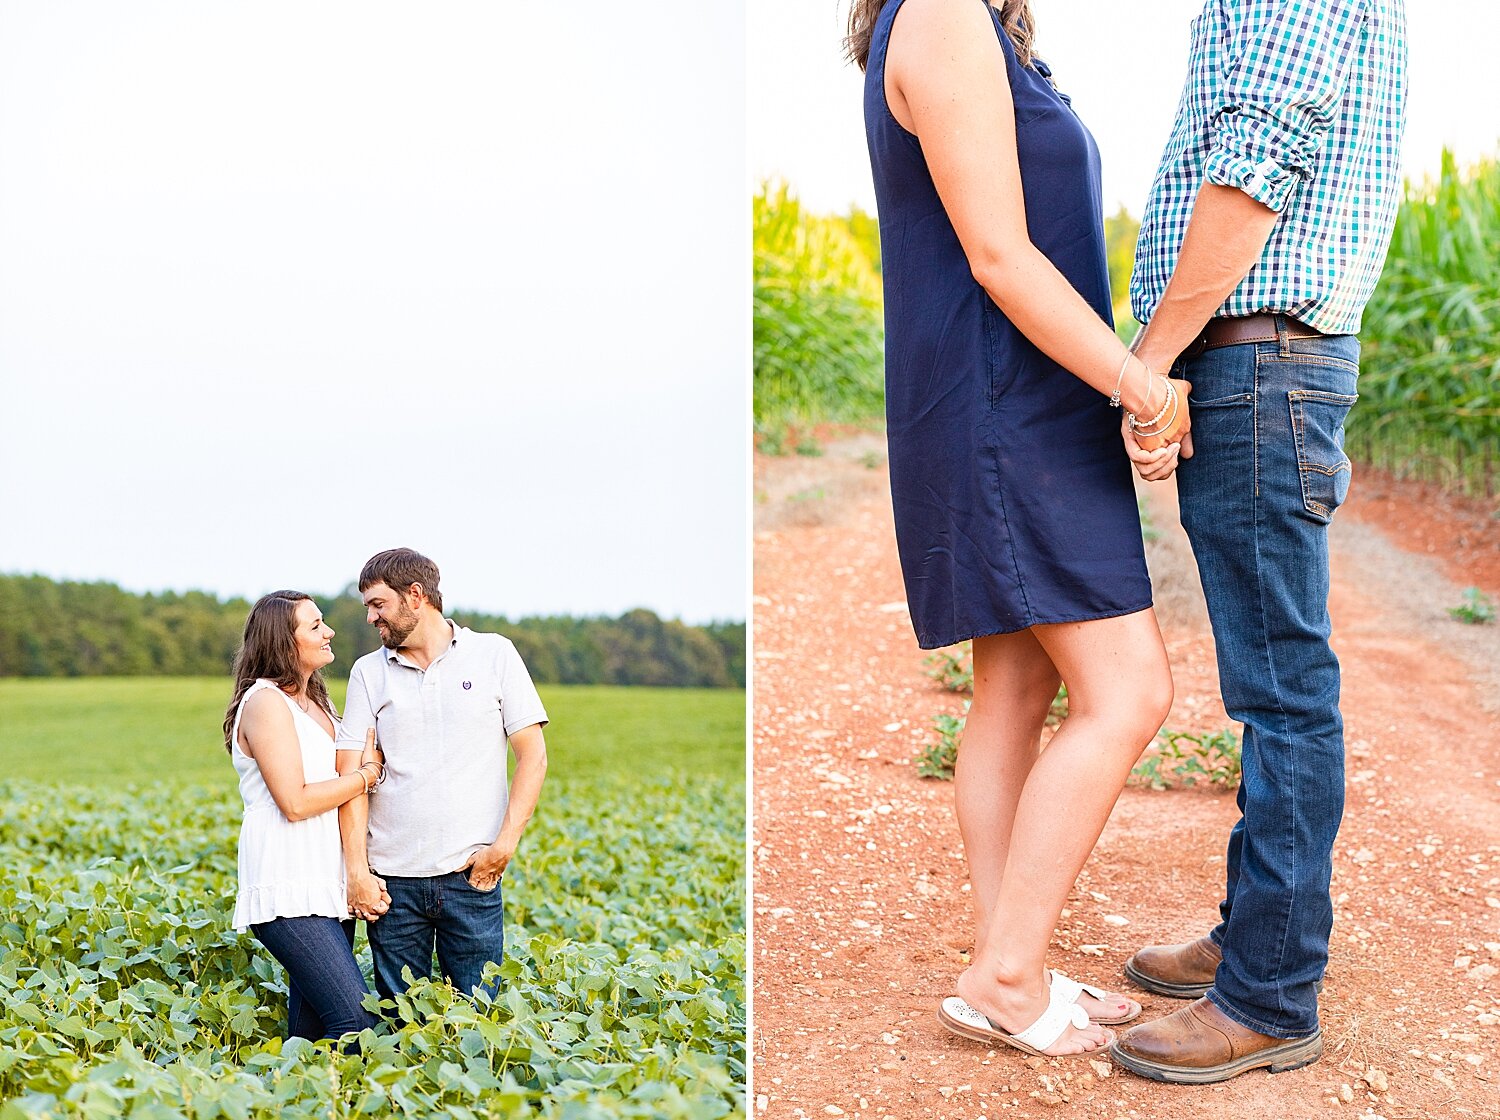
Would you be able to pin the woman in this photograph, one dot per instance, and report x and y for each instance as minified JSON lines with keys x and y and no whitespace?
{"x":1015,"y":514}
{"x":280,"y":731}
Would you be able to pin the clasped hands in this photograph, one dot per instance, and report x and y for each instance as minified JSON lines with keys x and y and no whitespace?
{"x":1156,"y":456}
{"x":1159,"y":460}
{"x":368,"y":898}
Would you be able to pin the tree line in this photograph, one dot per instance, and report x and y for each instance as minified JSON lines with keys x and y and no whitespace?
{"x":53,"y":628}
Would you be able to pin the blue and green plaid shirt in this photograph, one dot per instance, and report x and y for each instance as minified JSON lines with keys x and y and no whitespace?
{"x":1300,"y":104}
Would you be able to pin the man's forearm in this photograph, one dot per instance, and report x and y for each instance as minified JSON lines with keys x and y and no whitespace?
{"x":1226,"y":235}
{"x":354,"y":823}
{"x":354,"y":820}
{"x":525,"y":792}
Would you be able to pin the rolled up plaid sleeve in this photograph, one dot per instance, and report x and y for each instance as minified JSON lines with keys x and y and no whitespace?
{"x":1286,"y":65}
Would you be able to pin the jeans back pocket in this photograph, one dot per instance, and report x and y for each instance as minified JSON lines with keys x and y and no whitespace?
{"x":1322,"y":466}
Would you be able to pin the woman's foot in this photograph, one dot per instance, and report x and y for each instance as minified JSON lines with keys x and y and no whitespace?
{"x":1105,"y":1008}
{"x":1015,"y":1007}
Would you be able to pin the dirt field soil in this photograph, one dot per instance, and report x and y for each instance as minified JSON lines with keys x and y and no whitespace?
{"x":861,"y":915}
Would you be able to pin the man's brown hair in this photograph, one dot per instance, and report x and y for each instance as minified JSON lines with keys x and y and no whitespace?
{"x":398,"y":569}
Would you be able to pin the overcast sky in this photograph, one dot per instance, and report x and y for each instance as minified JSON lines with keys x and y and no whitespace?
{"x":1123,"y":66}
{"x":285,"y":284}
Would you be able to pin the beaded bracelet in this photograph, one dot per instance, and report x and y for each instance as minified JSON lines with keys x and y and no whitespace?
{"x":1148,"y":428}
{"x":1135,"y":421}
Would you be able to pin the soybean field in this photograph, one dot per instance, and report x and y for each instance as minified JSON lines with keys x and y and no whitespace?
{"x":124,"y":991}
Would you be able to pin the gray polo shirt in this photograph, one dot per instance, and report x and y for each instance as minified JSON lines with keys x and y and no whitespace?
{"x":444,"y":731}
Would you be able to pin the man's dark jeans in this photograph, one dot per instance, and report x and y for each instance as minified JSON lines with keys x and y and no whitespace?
{"x":324,"y":984}
{"x":1267,"y":474}
{"x":465,"y":925}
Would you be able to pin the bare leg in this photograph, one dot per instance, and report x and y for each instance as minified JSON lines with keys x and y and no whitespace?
{"x":1014,"y":683}
{"x":1119,"y":691}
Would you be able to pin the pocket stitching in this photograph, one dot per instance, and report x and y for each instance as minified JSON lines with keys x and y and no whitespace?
{"x":1312,"y":360}
{"x":1237,"y":398}
{"x":1295,"y":399}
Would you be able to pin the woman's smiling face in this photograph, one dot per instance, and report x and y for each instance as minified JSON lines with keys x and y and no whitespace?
{"x":314,"y":637}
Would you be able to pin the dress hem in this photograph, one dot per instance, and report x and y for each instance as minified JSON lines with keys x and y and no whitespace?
{"x":925,"y":644}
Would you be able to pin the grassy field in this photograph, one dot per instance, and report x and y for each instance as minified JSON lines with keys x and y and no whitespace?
{"x":108,"y":730}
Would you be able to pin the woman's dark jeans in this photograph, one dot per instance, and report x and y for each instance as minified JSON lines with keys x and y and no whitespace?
{"x":324,"y":984}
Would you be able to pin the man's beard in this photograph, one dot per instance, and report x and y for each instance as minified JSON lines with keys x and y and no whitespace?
{"x":398,"y":629}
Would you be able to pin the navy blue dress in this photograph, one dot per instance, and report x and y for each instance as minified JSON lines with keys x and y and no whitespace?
{"x":1013,"y":496}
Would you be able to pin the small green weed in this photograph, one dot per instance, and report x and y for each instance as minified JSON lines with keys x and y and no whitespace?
{"x":1059,"y":709}
{"x":809,"y":447}
{"x":1149,"y":531}
{"x":938,"y":759}
{"x":871,"y":460}
{"x":772,"y":440}
{"x":954,"y":671}
{"x":814,"y":495}
{"x":1178,"y":758}
{"x":1476,"y":609}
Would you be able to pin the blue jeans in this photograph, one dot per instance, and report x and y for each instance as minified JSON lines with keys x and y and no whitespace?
{"x":1267,"y":474}
{"x":463,"y":923}
{"x":323,"y":981}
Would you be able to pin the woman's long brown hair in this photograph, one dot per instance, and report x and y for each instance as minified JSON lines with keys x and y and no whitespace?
{"x":1015,"y":17}
{"x":269,"y":651}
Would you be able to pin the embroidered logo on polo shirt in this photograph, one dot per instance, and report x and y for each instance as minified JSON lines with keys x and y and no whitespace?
{"x":468,"y":685}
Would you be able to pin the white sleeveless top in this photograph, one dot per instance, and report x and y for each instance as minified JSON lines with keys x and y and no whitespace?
{"x":288,"y":869}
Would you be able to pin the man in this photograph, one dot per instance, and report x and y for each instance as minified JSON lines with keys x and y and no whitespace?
{"x":1268,"y":222}
{"x":442,"y":828}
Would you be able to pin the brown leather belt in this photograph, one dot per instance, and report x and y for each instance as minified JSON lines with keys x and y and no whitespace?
{"x":1241,"y":329}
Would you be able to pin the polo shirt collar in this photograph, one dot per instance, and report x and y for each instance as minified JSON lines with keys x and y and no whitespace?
{"x":394,"y":655}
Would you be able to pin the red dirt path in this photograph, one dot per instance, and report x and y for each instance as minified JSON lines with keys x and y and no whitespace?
{"x":861,"y":916}
{"x":1461,"y":534}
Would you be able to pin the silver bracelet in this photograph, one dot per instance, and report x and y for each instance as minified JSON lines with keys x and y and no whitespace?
{"x":1114,"y":398}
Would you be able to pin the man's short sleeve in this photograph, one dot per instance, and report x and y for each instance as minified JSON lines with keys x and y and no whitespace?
{"x":520,"y":704}
{"x":359,"y":716}
{"x":1286,"y":65}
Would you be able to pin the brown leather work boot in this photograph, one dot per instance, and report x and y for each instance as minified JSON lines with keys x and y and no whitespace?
{"x":1199,"y":1044}
{"x":1180,"y":971}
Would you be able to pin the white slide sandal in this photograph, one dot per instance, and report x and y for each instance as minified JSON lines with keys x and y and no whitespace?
{"x":1074,"y":988}
{"x":957,"y":1016}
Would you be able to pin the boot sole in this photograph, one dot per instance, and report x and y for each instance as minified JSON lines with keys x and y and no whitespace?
{"x":1163,"y":987}
{"x":1293,"y":1054}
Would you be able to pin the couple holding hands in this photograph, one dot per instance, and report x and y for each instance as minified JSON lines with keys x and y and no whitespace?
{"x":1016,"y":516}
{"x":413,"y":835}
